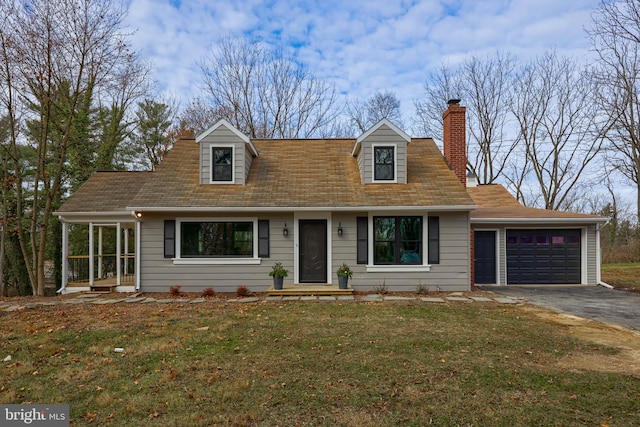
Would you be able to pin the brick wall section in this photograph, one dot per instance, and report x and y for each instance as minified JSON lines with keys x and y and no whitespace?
{"x":454,"y":140}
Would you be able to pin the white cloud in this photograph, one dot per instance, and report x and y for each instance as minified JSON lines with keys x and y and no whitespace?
{"x":364,"y":46}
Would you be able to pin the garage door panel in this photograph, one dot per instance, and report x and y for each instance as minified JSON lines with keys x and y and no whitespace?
{"x":546,"y":256}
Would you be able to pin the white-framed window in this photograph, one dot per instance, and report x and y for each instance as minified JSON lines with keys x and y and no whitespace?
{"x":222,"y":164}
{"x":398,"y":243}
{"x":216,"y":241}
{"x":397,"y":240}
{"x":385,"y":163}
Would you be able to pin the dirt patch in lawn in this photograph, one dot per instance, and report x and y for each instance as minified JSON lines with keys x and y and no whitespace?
{"x":626,"y":342}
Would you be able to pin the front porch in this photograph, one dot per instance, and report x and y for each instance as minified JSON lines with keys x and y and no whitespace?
{"x":99,"y":257}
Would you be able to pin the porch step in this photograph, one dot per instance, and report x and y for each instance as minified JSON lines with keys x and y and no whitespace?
{"x":102,"y":288}
{"x":300,"y":290}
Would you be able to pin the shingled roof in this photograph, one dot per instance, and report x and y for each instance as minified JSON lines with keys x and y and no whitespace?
{"x":106,"y":192}
{"x":309,"y":173}
{"x":495,"y":203}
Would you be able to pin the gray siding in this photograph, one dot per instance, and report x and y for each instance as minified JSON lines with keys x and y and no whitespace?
{"x":383,"y":135}
{"x":248,"y":159}
{"x":157,"y":274}
{"x":452,"y":274}
{"x":360,"y":160}
{"x":225,"y":137}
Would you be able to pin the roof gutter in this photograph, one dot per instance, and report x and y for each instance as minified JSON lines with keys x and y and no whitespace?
{"x":62,"y":215}
{"x":538,"y":220}
{"x":439,"y":208}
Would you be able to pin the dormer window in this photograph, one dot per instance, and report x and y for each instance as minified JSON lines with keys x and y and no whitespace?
{"x":384,"y":163}
{"x":222,"y":164}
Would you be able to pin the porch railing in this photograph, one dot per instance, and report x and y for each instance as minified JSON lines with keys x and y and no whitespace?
{"x":104,"y":267}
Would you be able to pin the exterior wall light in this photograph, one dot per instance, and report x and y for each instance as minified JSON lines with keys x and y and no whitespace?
{"x":285,"y":230}
{"x":138,"y":214}
{"x":340,"y":229}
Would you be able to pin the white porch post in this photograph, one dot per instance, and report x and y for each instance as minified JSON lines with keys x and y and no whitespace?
{"x":100,"y":252}
{"x":137,"y":255}
{"x":126,"y":251}
{"x":118,"y":252}
{"x":90,"y":254}
{"x":65,"y":255}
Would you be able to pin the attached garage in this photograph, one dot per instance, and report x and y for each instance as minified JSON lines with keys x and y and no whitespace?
{"x":519,"y":245}
{"x":543,"y":257}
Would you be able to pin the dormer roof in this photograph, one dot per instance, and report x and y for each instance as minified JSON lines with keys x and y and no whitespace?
{"x":229,"y":126}
{"x":372,"y":129}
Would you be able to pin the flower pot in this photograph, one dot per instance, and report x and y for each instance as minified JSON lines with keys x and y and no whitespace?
{"x":277,"y":283}
{"x":343,"y":282}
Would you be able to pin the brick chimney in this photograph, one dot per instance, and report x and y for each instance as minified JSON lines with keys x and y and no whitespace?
{"x":454,"y":139}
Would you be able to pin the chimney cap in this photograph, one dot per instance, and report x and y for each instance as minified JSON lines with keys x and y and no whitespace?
{"x":453,"y":101}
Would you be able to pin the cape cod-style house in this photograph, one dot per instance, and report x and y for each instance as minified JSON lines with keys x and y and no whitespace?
{"x":222,"y":208}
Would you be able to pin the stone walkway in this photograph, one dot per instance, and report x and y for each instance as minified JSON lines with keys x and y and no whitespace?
{"x":98,"y":299}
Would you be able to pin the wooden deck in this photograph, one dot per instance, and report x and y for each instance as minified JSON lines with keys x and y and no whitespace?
{"x":300,"y":290}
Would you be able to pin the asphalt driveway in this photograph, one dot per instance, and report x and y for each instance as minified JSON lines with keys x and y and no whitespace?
{"x":592,"y":302}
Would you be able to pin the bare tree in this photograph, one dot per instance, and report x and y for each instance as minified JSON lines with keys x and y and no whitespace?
{"x":556,"y":121}
{"x":54,"y":56}
{"x":440,"y":86}
{"x":488,"y":83}
{"x":484,"y":85}
{"x":199,"y":116}
{"x":615,"y":36}
{"x":266,"y":94}
{"x":381,"y":105}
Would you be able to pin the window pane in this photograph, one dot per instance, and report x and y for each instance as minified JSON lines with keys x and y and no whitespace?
{"x":410,"y":253}
{"x":222,"y":164}
{"x":384,"y":155}
{"x":385,"y":229}
{"x":216,"y":239}
{"x":384,"y":172}
{"x":410,"y":228}
{"x":558,"y":240}
{"x":383,"y":163}
{"x":411,"y":240}
{"x":384,"y":253}
{"x":542,"y":240}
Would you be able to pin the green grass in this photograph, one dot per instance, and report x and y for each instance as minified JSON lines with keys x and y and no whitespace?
{"x":308,"y":364}
{"x":622,"y":275}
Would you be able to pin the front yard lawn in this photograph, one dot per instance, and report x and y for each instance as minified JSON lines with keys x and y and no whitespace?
{"x":623,"y":275}
{"x":351,"y":364}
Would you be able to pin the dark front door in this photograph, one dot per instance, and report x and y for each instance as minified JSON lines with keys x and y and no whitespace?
{"x":313,"y":251}
{"x":485,"y":257}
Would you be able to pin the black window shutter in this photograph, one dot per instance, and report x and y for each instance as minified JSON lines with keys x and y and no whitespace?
{"x":363,"y":239}
{"x":434,"y":240}
{"x":169,"y":238}
{"x":263,"y":238}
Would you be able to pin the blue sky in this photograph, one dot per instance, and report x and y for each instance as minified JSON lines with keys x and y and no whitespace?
{"x":363,"y":46}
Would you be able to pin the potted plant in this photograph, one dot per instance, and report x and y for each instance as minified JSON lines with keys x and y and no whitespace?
{"x":344,"y":273}
{"x":278,"y":272}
